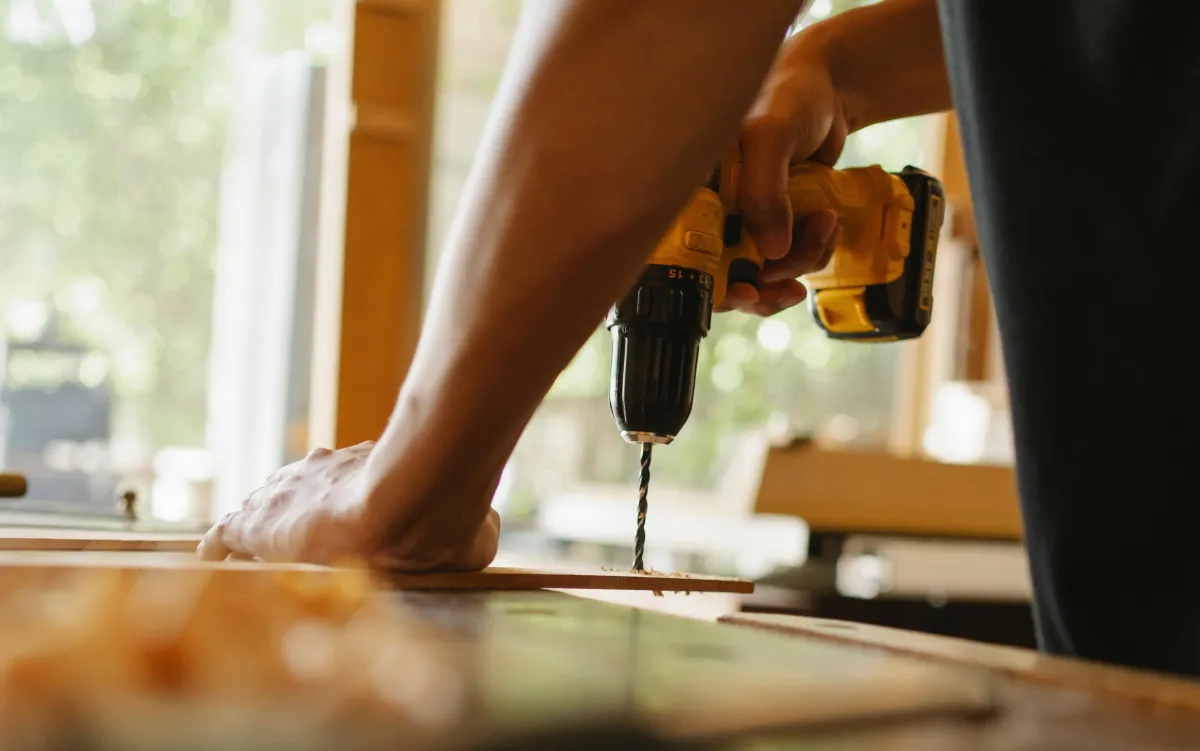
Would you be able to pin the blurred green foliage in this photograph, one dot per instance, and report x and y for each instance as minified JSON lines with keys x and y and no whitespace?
{"x":111,"y":150}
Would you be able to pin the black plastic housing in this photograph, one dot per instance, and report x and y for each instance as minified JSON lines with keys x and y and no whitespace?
{"x":656,"y":332}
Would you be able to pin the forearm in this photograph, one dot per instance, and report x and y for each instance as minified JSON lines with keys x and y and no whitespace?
{"x":609,"y":116}
{"x":886,"y":60}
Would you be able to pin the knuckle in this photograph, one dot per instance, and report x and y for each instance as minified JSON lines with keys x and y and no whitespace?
{"x":319,"y":453}
{"x":764,"y":198}
{"x":790,"y":269}
{"x":776,"y":304}
{"x":766,"y":126}
{"x":279,"y":500}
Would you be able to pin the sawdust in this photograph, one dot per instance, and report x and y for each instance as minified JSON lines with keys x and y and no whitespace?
{"x":105,"y":642}
{"x":653,"y":572}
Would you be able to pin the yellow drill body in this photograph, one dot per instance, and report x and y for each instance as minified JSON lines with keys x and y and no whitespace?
{"x":877,"y":285}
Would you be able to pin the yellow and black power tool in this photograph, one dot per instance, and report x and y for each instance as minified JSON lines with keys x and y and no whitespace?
{"x":877,"y":286}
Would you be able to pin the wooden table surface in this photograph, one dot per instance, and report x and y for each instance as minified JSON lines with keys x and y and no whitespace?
{"x":546,"y":661}
{"x":1027,"y":714}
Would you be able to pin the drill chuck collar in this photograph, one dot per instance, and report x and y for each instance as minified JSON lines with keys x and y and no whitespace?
{"x":656,"y":331}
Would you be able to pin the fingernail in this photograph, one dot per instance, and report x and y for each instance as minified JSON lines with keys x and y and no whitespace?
{"x":775,"y":245}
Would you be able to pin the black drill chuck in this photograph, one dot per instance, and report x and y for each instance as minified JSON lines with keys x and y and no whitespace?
{"x":656,"y":329}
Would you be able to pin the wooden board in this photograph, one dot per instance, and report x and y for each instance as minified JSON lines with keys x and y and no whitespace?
{"x":494,"y":578}
{"x":847,"y":492}
{"x":527,"y":578}
{"x":50,"y":538}
{"x":1018,"y":663}
{"x":483,"y":661}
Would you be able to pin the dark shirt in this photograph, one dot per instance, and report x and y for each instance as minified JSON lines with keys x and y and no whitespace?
{"x":1081,"y":128}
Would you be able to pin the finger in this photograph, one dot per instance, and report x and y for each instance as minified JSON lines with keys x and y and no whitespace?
{"x":779,"y":296}
{"x":830,"y":248}
{"x":231,"y":537}
{"x":738,"y":296}
{"x":767,"y":146}
{"x":253,"y":500}
{"x":830,"y":149}
{"x":235,"y":536}
{"x":212,"y":546}
{"x":318,"y":453}
{"x":810,"y":250}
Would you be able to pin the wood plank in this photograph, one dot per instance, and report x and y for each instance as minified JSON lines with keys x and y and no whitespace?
{"x":51,"y":538}
{"x":875,"y":492}
{"x":493,"y":578}
{"x":1024,"y":664}
{"x":423,"y":666}
{"x":976,"y":366}
{"x":369,"y":304}
{"x":521,"y":578}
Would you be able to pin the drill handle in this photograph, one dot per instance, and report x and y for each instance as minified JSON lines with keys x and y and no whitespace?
{"x":873,"y":208}
{"x":869,"y":203}
{"x":853,"y":193}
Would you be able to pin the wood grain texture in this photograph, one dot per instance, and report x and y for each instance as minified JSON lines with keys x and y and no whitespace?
{"x":182,"y":557}
{"x":50,"y":538}
{"x":379,"y":299}
{"x":1023,"y":664}
{"x":870,"y":492}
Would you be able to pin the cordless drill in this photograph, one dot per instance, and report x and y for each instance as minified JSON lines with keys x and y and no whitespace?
{"x":876,"y":287}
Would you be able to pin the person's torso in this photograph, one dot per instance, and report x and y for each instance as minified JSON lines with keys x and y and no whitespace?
{"x":1081,"y":130}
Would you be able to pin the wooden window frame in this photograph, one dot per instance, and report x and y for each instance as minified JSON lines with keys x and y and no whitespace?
{"x":962,"y":344}
{"x":375,"y":210}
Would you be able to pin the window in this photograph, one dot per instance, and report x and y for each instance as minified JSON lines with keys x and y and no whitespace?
{"x":157,"y":156}
{"x":752,"y":372}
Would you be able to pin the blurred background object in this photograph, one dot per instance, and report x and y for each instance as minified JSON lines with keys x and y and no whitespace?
{"x":57,"y":401}
{"x":158,"y":158}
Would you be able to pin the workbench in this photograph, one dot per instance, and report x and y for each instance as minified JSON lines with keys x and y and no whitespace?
{"x":663,"y":653}
{"x":553,"y":667}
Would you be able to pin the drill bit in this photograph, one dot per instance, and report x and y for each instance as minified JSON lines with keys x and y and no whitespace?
{"x":639,"y":541}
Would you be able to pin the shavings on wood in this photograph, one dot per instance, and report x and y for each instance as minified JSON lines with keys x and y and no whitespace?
{"x":94,"y":647}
